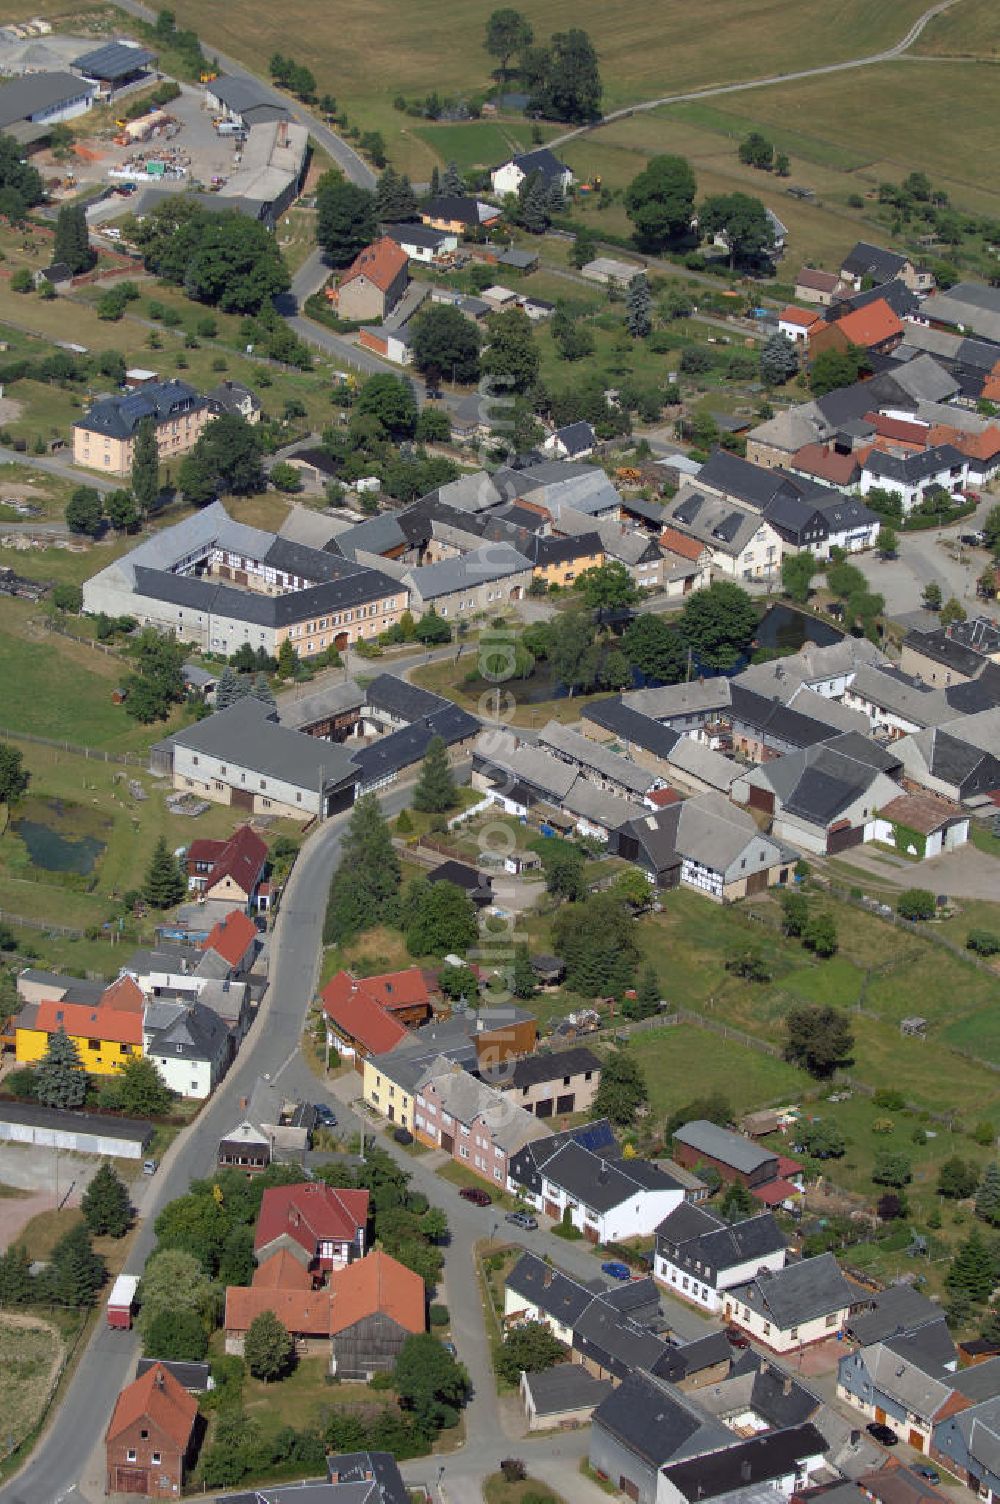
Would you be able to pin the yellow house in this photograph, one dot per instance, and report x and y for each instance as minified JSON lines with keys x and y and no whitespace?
{"x":104,"y":439}
{"x":560,"y":561}
{"x":105,"y":1035}
{"x":389,"y":1086}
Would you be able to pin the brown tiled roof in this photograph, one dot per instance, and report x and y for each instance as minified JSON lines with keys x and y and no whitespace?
{"x":675,"y":542}
{"x":811,"y":276}
{"x":158,"y":1397}
{"x":923,"y":812}
{"x":380,"y":262}
{"x":377,"y":1284}
{"x":871,"y":325}
{"x":282,"y":1271}
{"x":302,"y":1312}
{"x":826,"y":464}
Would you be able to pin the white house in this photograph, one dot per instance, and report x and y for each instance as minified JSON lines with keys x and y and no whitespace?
{"x":510,"y":175}
{"x":786,"y":1309}
{"x":699,"y":1255}
{"x":912,"y":476}
{"x":607,"y":1200}
{"x":423,"y":242}
{"x":189,"y":1044}
{"x":774,"y":1463}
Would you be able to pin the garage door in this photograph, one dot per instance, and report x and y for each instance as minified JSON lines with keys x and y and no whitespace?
{"x":448,"y":1143}
{"x":131,"y":1480}
{"x":565,"y":1103}
{"x":551,"y":1210}
{"x":757,"y":882}
{"x":628,"y":1488}
{"x":916,"y":1441}
{"x":844,"y":838}
{"x":762,"y":799}
{"x":590,"y":1233}
{"x":242,"y":799}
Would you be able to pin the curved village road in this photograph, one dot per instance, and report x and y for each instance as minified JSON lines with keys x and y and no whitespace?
{"x":886,"y":56}
{"x":60,"y":1460}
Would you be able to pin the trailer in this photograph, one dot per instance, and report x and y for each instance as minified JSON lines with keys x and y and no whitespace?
{"x":121,"y":1302}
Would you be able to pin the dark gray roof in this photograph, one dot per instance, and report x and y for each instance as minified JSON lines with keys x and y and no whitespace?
{"x":376,"y":535}
{"x":531,"y":1070}
{"x":542,"y":161}
{"x":693,"y":1357}
{"x":554,"y":1293}
{"x":800,"y":1292}
{"x":689,"y":1221}
{"x":397,"y":697}
{"x":955,"y":760}
{"x":896,"y":1310}
{"x":314,"y":564}
{"x":118,"y":417}
{"x":34,"y":93}
{"x":246,"y":736}
{"x":230,"y":396}
{"x":727,"y":1147}
{"x":763,"y":1458}
{"x":726,"y":1245}
{"x":354,"y":585}
{"x":867,"y":260}
{"x":819,"y":797}
{"x":774,"y":719}
{"x":599,"y":1183}
{"x":242,"y":94}
{"x":196,"y":1034}
{"x":452,"y":206}
{"x":567,"y":1386}
{"x":194,"y":1376}
{"x":113,"y":61}
{"x":657,"y":1423}
{"x":556,"y":550}
{"x":381,"y":1467}
{"x":74,"y":989}
{"x":614,"y":1342}
{"x":911,"y":469}
{"x":747,"y":482}
{"x":576,"y":438}
{"x":415,"y":234}
{"x":896,"y":293}
{"x":32,"y":1115}
{"x":402,"y":748}
{"x":776,"y":1396}
{"x":632,"y":726}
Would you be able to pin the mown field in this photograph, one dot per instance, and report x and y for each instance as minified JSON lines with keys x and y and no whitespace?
{"x":970,"y":29}
{"x":367,"y":55}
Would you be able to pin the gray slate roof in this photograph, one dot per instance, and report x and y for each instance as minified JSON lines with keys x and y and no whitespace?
{"x":34,"y":93}
{"x":800,"y":1292}
{"x":567,"y":1386}
{"x":246,"y":736}
{"x":719,"y":1143}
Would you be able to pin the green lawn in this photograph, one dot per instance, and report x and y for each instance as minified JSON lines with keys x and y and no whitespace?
{"x":684,"y":1061}
{"x":477,"y":143}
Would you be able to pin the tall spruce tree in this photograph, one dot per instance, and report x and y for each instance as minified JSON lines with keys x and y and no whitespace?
{"x":225,"y":690}
{"x":524,"y":983}
{"x":75,"y":1272}
{"x":988,"y":1195}
{"x":435,"y":790}
{"x":60,"y":1079}
{"x":106,"y":1204}
{"x":971,"y":1274}
{"x":146,"y":467}
{"x":639,"y":307}
{"x":261,"y":690}
{"x":435,"y":181}
{"x":452,"y":181}
{"x":365,"y":886}
{"x":72,"y":240}
{"x":165,"y":884}
{"x":647,"y":997}
{"x":534,"y":208}
{"x":16,"y":1282}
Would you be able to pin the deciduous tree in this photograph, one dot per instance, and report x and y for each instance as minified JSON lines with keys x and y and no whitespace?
{"x":660,"y":201}
{"x":622,"y":1090}
{"x":507,"y":34}
{"x":346,"y":219}
{"x":819,"y":1039}
{"x":718,"y":623}
{"x":268,"y":1347}
{"x":438,"y":919}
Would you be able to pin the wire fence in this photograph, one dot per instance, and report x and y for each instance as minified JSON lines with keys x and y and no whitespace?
{"x":94,"y":754}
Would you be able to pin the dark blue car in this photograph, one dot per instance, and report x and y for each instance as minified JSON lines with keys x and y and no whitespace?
{"x":616,"y":1270}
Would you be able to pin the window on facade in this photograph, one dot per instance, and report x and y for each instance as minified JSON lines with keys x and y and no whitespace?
{"x":156,"y":1459}
{"x":130,"y":1455}
{"x":93,"y":1044}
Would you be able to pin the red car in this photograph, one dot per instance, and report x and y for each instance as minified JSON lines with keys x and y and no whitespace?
{"x":476,"y":1196}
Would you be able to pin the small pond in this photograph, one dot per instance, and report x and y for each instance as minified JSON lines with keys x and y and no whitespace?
{"x":782,"y":627}
{"x":49,"y":849}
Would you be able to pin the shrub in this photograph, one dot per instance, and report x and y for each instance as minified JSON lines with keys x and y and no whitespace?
{"x":916,"y":904}
{"x":439,"y":1315}
{"x":983,"y":942}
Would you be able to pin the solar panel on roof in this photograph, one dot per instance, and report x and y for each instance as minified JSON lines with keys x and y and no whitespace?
{"x":594,"y":1136}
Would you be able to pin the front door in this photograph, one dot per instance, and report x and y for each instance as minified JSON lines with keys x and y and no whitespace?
{"x":448,"y":1142}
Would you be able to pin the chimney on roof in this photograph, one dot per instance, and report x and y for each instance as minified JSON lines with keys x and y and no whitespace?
{"x":547,"y":1277}
{"x":158,"y":1378}
{"x":602,"y":1174}
{"x":745,"y":1470}
{"x":282,"y":132}
{"x":786,"y":1387}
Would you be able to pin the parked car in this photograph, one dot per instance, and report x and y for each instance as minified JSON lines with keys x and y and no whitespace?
{"x":736,"y":1338}
{"x":616,"y":1270}
{"x":972,"y":540}
{"x":930,"y":1473}
{"x":884,"y":1434}
{"x":402,"y":1136}
{"x":450,"y":1347}
{"x":475,"y":1195}
{"x":325,"y":1116}
{"x":522,"y":1219}
{"x":149,"y":1166}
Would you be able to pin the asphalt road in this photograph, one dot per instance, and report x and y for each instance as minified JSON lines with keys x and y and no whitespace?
{"x":60,"y":1462}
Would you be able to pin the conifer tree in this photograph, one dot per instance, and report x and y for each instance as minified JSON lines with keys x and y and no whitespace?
{"x":435,"y":181}
{"x":60,"y":1079}
{"x":72,"y":240}
{"x":452,"y":182}
{"x":639,"y":307}
{"x":165,"y":884}
{"x":648,"y":993}
{"x":107,"y":1207}
{"x":261,"y":690}
{"x":988,"y":1195}
{"x":365,"y":886}
{"x":146,"y":467}
{"x":75,"y":1272}
{"x":971,"y":1275}
{"x":435,"y":791}
{"x":225,"y":690}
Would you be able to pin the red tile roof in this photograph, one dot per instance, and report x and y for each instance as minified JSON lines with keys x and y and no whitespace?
{"x":826,"y":464}
{"x":662,"y":797}
{"x":871,"y":325}
{"x":283,"y":1271}
{"x":359,"y":1018}
{"x":975,"y":446}
{"x":158,"y":1397}
{"x":788,"y":1167}
{"x":390,"y":989}
{"x":112,"y":1024}
{"x":231,"y":937}
{"x":804,"y":317}
{"x":125,"y":995}
{"x":899,"y":428}
{"x":775,"y":1192}
{"x":241,"y":858}
{"x":381,"y":262}
{"x":675,"y":542}
{"x":310,"y":1213}
{"x":374,"y":1285}
{"x":921,"y":811}
{"x":204,"y":849}
{"x":303,"y":1312}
